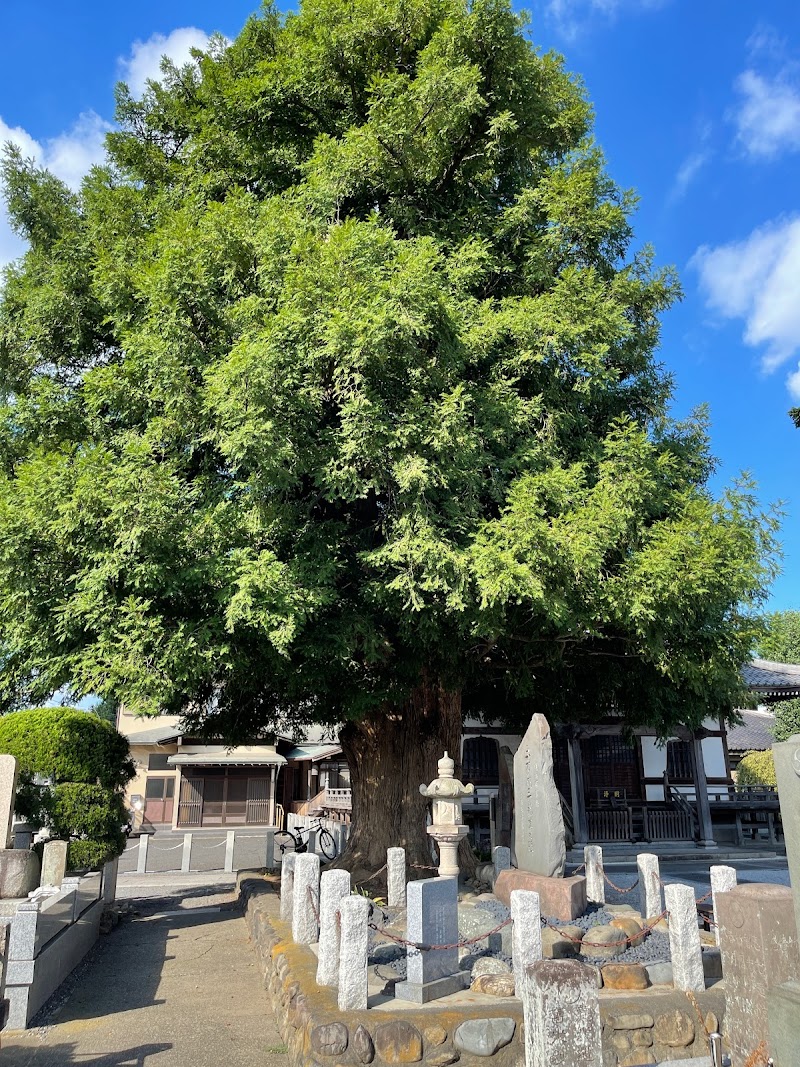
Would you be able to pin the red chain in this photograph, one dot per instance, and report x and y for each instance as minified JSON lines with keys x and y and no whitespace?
{"x":434,"y":948}
{"x":607,"y":944}
{"x":619,"y":888}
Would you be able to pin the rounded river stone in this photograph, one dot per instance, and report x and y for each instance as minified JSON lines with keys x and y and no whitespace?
{"x":483,"y":1037}
{"x":363,"y":1045}
{"x":330,"y":1039}
{"x":398,"y":1042}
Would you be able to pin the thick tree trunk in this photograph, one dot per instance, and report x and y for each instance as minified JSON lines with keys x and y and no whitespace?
{"x":391,"y":754}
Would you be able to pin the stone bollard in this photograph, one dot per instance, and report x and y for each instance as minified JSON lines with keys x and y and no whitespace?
{"x":562,"y":1015}
{"x":230,"y":844}
{"x":723,"y":880}
{"x":526,"y":933}
{"x":684,"y":939}
{"x":650,"y":899}
{"x":186,"y":854}
{"x":501,"y":859}
{"x":758,"y":944}
{"x":595,"y":882}
{"x":269,"y":850}
{"x":396,"y":877}
{"x":141,"y":859}
{"x":333,"y":887}
{"x":353,"y":953}
{"x":305,"y":900}
{"x":288,"y":861}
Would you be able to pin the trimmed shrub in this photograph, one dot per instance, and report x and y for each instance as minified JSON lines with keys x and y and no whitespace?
{"x":67,"y":746}
{"x":756,"y":768}
{"x":86,"y":763}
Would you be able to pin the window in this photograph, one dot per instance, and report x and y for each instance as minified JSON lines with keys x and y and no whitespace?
{"x":159,"y":789}
{"x":679,"y":761}
{"x":157,"y":761}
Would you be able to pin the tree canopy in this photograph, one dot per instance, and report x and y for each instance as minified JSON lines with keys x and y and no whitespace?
{"x":781,"y":642}
{"x":339,"y":380}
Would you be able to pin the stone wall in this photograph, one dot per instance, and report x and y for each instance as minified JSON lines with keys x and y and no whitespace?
{"x":638,"y":1028}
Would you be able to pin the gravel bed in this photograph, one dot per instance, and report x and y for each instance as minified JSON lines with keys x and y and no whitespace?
{"x":654,"y":948}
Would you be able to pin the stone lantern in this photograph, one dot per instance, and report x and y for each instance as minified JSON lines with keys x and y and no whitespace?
{"x":446,"y":794}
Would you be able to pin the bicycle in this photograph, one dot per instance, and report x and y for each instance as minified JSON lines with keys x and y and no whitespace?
{"x":292,"y":840}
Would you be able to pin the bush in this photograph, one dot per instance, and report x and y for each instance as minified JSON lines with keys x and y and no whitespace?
{"x":67,"y":746}
{"x":86,"y":763}
{"x":756,"y":768}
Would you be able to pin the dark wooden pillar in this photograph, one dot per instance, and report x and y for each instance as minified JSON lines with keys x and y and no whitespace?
{"x":701,"y":793}
{"x":579,"y":820}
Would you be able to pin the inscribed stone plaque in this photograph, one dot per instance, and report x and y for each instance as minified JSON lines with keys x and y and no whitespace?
{"x":432,"y":918}
{"x":54,"y":862}
{"x":538,"y":821}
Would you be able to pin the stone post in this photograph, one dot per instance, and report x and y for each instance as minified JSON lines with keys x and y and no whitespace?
{"x":723,"y":880}
{"x":312,"y":841}
{"x":650,"y":899}
{"x":432,"y":919}
{"x":269,"y":850}
{"x":334,"y":886}
{"x":784,"y":1001}
{"x":110,"y":873}
{"x":186,"y":854}
{"x":396,"y":877}
{"x":353,"y":953}
{"x":287,"y":885}
{"x":501,"y":858}
{"x":8,"y":794}
{"x":595,"y":882}
{"x":230,"y":841}
{"x":305,"y":900}
{"x":526,"y":933}
{"x":562,"y":1015}
{"x":141,"y":859}
{"x":684,"y":939}
{"x":758,"y":944}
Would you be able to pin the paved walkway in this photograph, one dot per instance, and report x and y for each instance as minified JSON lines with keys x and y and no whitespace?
{"x":177,"y":986}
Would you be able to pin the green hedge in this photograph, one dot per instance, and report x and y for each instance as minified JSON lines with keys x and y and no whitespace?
{"x":67,"y":745}
{"x":756,"y":768}
{"x":87,"y":763}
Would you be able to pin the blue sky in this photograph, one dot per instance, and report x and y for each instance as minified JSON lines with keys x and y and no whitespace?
{"x":697,"y":108}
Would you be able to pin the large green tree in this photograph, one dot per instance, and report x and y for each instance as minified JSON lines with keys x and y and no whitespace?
{"x":781,"y":643}
{"x":333,"y":397}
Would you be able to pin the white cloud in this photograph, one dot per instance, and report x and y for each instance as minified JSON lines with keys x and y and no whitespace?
{"x":69,"y":156}
{"x":687,"y":172}
{"x":570,"y":16}
{"x":144,"y":62}
{"x":755,"y":280}
{"x":768,"y":118}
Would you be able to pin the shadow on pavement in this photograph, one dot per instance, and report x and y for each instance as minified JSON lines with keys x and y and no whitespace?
{"x":64,"y":1054}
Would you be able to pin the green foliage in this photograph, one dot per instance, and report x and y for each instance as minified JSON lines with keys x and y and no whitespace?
{"x":86,"y":763}
{"x":781,"y":642}
{"x":66,"y":745}
{"x":341,"y":375}
{"x":756,"y":768}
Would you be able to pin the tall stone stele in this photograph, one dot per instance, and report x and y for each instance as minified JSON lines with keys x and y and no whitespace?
{"x":538,"y":820}
{"x":446,"y":794}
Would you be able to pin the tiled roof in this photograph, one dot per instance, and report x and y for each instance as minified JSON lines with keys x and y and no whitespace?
{"x":755,"y":732}
{"x":771,"y":679}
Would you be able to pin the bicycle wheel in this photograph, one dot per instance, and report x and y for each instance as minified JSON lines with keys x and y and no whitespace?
{"x":327,"y":845}
{"x":286,"y":841}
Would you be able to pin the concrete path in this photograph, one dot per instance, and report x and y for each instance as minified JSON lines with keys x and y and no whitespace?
{"x":176,"y":986}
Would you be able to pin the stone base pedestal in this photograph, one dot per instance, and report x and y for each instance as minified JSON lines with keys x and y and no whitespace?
{"x":559,"y":898}
{"x":441,"y":987}
{"x":783,"y":1011}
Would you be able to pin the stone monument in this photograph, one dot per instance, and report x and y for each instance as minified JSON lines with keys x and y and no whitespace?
{"x":447,"y":830}
{"x":783,"y":1001}
{"x":8,"y":793}
{"x":432,"y":919}
{"x":539,"y":843}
